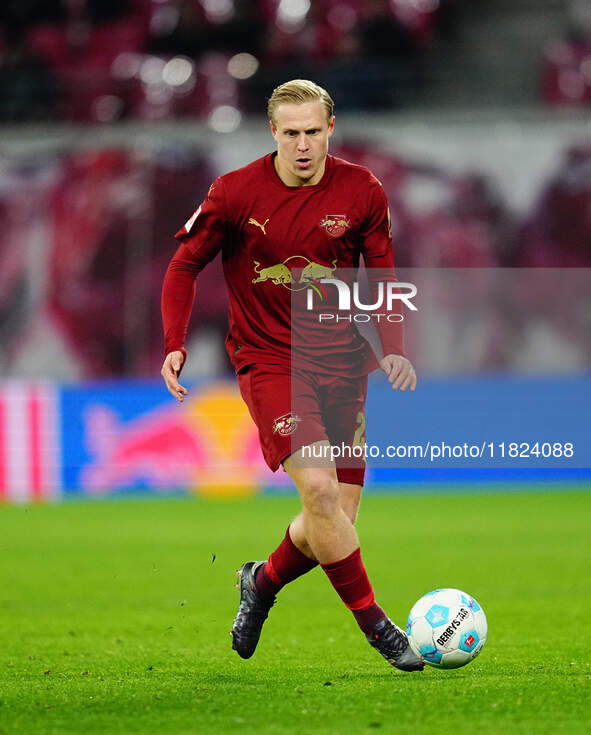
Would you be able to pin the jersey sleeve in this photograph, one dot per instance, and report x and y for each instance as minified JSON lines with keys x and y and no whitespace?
{"x":204,"y":231}
{"x":201,"y":239}
{"x":378,"y":255}
{"x":375,"y":230}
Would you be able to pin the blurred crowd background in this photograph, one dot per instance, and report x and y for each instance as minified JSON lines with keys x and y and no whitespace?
{"x":107,"y":60}
{"x":117,"y":114}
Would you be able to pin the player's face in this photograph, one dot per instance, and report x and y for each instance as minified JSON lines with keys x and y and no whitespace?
{"x":302,"y":133}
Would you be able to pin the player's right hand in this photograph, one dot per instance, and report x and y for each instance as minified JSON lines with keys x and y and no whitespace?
{"x":170,"y":372}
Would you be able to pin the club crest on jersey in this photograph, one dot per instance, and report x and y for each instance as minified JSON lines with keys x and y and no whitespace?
{"x":335,"y":224}
{"x":286,"y":424}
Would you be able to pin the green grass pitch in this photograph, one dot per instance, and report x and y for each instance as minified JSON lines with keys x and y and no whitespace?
{"x":114,"y":618}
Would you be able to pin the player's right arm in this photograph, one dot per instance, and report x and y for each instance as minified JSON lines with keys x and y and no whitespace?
{"x":201,"y":239}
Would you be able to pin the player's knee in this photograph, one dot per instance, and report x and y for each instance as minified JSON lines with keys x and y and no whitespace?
{"x":351,"y":510}
{"x":323,"y":504}
{"x":321,"y":496}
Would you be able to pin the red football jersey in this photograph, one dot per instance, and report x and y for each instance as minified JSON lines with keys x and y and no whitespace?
{"x":277,"y":242}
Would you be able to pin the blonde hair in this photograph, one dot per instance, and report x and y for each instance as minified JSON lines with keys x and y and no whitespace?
{"x":296,"y":92}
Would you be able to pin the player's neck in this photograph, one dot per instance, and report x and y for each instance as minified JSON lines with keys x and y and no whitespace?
{"x":291,"y":179}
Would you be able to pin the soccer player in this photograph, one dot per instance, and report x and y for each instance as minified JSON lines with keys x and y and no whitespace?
{"x":266,"y":218}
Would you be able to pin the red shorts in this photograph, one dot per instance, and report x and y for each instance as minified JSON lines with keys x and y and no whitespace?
{"x":295,"y":408}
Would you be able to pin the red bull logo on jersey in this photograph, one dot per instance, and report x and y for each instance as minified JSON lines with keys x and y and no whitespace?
{"x":316,"y":271}
{"x":286,"y":424}
{"x":278,"y":274}
{"x":295,"y":273}
{"x":335,"y":224}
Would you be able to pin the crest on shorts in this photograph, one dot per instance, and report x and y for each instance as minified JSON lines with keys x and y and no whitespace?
{"x":335,"y":224}
{"x":286,"y":424}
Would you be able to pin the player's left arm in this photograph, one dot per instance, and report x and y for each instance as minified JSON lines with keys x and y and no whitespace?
{"x":378,"y":254}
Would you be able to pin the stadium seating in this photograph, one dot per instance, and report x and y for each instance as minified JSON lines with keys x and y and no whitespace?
{"x":86,"y":45}
{"x":566,"y":73}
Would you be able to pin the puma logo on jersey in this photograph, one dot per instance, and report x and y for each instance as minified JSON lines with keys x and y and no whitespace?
{"x":252,"y":221}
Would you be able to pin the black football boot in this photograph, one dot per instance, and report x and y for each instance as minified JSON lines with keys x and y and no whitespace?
{"x":393,"y":644}
{"x":252,"y":611}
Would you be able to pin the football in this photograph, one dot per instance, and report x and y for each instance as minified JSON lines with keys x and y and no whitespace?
{"x":447,"y":628}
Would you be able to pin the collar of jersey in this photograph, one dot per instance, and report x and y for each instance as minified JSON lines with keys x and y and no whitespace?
{"x":269,"y":165}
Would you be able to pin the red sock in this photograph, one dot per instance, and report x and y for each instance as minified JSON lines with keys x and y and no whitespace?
{"x":350,"y":580}
{"x":284,"y":565}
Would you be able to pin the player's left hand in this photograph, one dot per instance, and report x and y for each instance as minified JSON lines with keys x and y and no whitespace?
{"x":400,"y":372}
